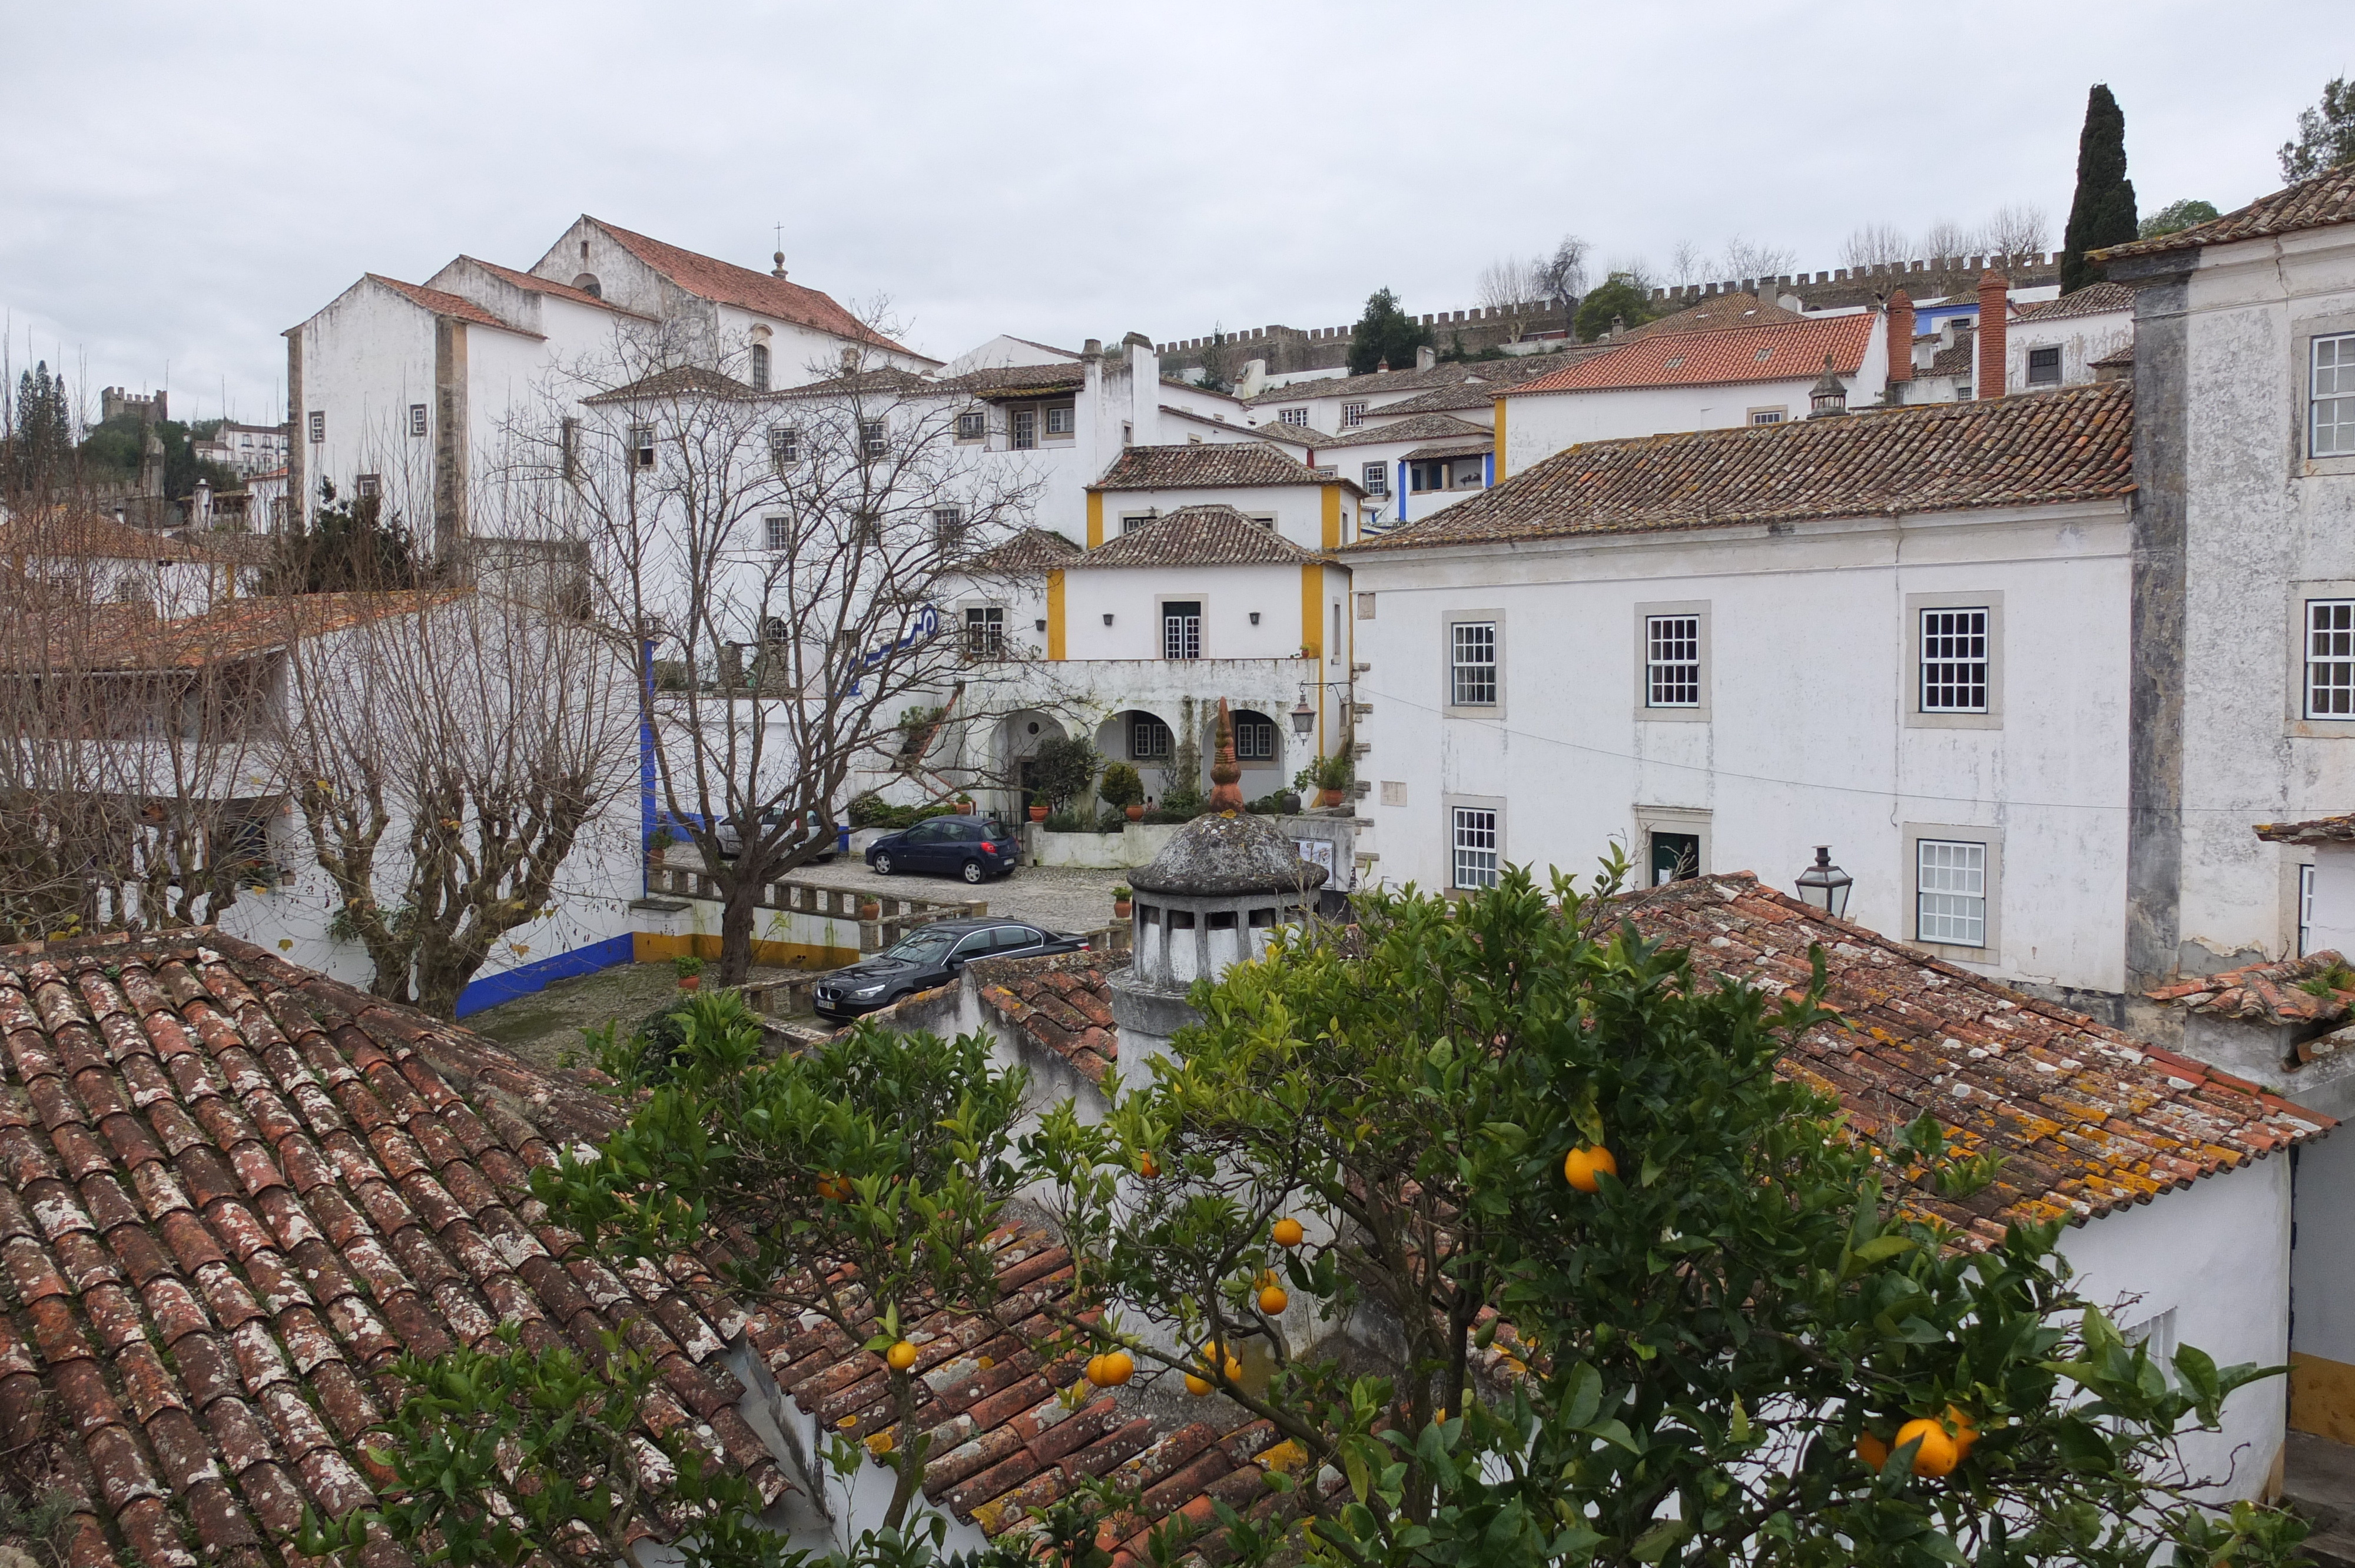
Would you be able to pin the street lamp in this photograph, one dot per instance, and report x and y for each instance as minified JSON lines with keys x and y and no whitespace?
{"x":1303,"y":717}
{"x":1824,"y":885}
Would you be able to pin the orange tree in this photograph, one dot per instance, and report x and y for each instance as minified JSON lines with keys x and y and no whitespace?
{"x":1740,"y":1346}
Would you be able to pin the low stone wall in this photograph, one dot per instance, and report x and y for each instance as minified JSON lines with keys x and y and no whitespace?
{"x":1135,"y":844}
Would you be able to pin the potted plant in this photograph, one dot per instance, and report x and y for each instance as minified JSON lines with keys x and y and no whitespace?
{"x":1061,"y":771}
{"x":1123,"y":787}
{"x":870,"y":909}
{"x":690,"y":970}
{"x":1037,"y":811}
{"x":965,"y":805}
{"x":1331,"y":776}
{"x":658,"y":844}
{"x":1120,"y":903}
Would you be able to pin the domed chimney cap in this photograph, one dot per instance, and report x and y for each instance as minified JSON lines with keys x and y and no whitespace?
{"x":1224,"y":852}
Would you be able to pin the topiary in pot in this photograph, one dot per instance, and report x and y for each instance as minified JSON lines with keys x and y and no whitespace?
{"x":1123,"y":788}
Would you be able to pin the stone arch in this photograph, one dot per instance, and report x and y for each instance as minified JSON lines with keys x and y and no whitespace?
{"x":1262,"y":764}
{"x":1120,"y":737}
{"x":1019,"y":736}
{"x":587,"y":284}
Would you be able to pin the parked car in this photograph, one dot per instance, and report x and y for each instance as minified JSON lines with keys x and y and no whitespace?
{"x":929,"y":955}
{"x":975,"y":848}
{"x":732,"y":842}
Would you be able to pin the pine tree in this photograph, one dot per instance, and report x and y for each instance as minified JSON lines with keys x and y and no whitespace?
{"x":2104,"y":212}
{"x":2326,"y":133}
{"x":1385,"y":335}
{"x":40,"y":441}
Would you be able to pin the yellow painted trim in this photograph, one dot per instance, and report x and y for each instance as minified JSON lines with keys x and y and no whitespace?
{"x":1312,"y":611}
{"x":1095,"y":523}
{"x":2322,"y":1397}
{"x":1500,"y":440}
{"x":1055,"y":604}
{"x":658,"y":947}
{"x":1332,"y":517}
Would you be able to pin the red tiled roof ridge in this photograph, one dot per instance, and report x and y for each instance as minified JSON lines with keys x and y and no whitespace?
{"x":2340,"y":829}
{"x":726,"y":282}
{"x":1717,"y":356}
{"x":2324,"y":200}
{"x":535,"y":283}
{"x":1060,"y":1001}
{"x":448,"y":305}
{"x":2274,"y":990}
{"x":1200,"y":535}
{"x":237,"y":1190}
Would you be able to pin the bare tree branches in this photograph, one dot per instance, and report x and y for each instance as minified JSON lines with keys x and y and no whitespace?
{"x":1875,"y":245}
{"x":1510,"y":288}
{"x":2016,"y":232}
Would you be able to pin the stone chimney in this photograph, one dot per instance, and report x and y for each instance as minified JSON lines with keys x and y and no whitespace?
{"x":1425,"y":357}
{"x":1995,"y":306}
{"x":1901,"y":344}
{"x":1092,"y":348}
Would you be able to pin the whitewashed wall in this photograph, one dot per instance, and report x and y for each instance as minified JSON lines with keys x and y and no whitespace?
{"x":1811,"y":676}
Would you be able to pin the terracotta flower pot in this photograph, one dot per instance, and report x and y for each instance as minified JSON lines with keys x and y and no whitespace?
{"x":964,"y":807}
{"x":1120,"y":908}
{"x":1037,"y":813}
{"x":1136,"y":813}
{"x":690,"y":983}
{"x":870,"y":909}
{"x":1330,"y":798}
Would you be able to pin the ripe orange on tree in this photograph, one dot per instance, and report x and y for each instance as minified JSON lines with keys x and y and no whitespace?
{"x":1272,"y":1300}
{"x":901,"y":1356}
{"x":1871,"y":1450}
{"x":1111,"y":1368}
{"x":1937,"y":1454}
{"x":1580,"y":1167}
{"x":1287,"y":1232}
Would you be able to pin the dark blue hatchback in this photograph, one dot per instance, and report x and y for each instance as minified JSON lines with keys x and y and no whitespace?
{"x":975,"y":848}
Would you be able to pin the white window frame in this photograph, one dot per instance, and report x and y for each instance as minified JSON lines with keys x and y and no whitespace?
{"x":874,"y":441}
{"x":1353,"y":416}
{"x":984,"y":631}
{"x":973,"y":425}
{"x":318,"y":426}
{"x":2327,"y":630}
{"x":1377,"y":478}
{"x":1022,"y":429}
{"x":1452,"y":663}
{"x":1295,"y":416}
{"x":2304,"y":909}
{"x":1266,"y":755}
{"x":777,"y":534}
{"x":642,"y":446}
{"x":1162,"y":619}
{"x":948,"y":527}
{"x":1773,"y":415}
{"x":1468,"y":819}
{"x":1138,"y":719}
{"x":2339,"y":396}
{"x":367,"y":487}
{"x":784,"y":445}
{"x":1130,"y":522}
{"x":419,"y":421}
{"x":1650,"y":820}
{"x":1990,"y":715}
{"x":1989,"y":840}
{"x":1647,"y":710}
{"x":1062,"y":419}
{"x":2298,"y":710}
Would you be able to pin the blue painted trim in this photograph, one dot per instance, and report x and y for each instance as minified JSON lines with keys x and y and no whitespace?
{"x":1401,"y":489}
{"x":647,"y":743}
{"x":526,"y":978}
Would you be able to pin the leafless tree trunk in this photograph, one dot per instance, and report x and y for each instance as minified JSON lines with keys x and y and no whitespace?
{"x":1510,"y":287}
{"x":782,"y":558}
{"x":1875,"y":245}
{"x":2016,"y":232}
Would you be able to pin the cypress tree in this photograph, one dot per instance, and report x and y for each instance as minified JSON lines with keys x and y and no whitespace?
{"x":2104,"y":211}
{"x":1385,"y":334}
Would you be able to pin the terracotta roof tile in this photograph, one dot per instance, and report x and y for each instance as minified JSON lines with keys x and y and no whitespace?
{"x":762,"y":293}
{"x":2328,"y":198}
{"x":89,"y":535}
{"x":2274,"y":992}
{"x":2072,"y":444}
{"x":1205,"y":465}
{"x":1497,"y":377}
{"x":2093,"y":299}
{"x":1274,"y":431}
{"x":1197,"y":537}
{"x":2087,"y":1119}
{"x":1018,"y":380}
{"x":1060,"y":1001}
{"x":1443,"y":376}
{"x":444,"y":304}
{"x":1701,"y":358}
{"x":1415,"y":427}
{"x":2317,"y":831}
{"x":532,"y":282}
{"x":213,"y":1339}
{"x":236,"y":631}
{"x":1718,"y":311}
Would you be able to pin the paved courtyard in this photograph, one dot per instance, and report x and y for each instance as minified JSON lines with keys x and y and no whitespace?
{"x":1064,"y":897}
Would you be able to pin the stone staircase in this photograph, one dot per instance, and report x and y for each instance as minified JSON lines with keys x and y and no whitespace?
{"x":2318,"y":1481}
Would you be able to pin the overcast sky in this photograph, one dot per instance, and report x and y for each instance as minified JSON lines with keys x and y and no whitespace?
{"x":184,"y":181}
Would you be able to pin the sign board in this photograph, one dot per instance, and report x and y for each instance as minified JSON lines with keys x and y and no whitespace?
{"x":1318,"y":852}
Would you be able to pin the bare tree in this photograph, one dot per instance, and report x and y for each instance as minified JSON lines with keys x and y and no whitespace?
{"x":1562,"y":277}
{"x":1946,"y":240}
{"x":451,"y":749}
{"x":1688,"y":265}
{"x":1875,"y":245}
{"x":781,"y":556}
{"x":1510,"y":288}
{"x":1746,"y":259}
{"x":2017,"y":232}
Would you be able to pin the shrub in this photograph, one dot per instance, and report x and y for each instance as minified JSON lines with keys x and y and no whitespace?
{"x":1121,"y":786}
{"x":1280,"y":804}
{"x":1062,"y":769}
{"x":1065,"y":821}
{"x":686,"y":966}
{"x":871,"y":810}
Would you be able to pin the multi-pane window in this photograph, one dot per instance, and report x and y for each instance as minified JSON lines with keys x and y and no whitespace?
{"x":984,"y":631}
{"x":1471,"y":660}
{"x":318,"y":425}
{"x":2305,"y":910}
{"x":416,"y":421}
{"x":1473,"y":830}
{"x":1352,"y":416}
{"x":1954,"y":660}
{"x":1022,"y":428}
{"x":971,"y":424}
{"x":1672,"y":661}
{"x":370,"y":486}
{"x":1254,"y":739}
{"x":1950,"y":892}
{"x":2333,"y":420}
{"x":1181,"y":628}
{"x":779,"y":532}
{"x":2044,"y":368}
{"x":2331,"y":658}
{"x":1061,"y":419}
{"x":1294,"y":415}
{"x":784,"y":444}
{"x":1378,"y":478}
{"x":642,"y":445}
{"x":867,"y":527}
{"x":760,"y":367}
{"x":1765,"y":416}
{"x":871,"y":438}
{"x":948,"y":526}
{"x":1149,"y":738}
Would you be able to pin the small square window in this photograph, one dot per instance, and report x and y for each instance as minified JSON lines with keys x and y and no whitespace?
{"x":2332,"y":427}
{"x":971,"y":424}
{"x":984,"y":631}
{"x":1149,"y":738}
{"x":1294,"y":417}
{"x":1950,"y":892}
{"x":872,"y":439}
{"x":1353,"y":415}
{"x":1767,"y":415}
{"x":370,"y":486}
{"x":642,"y":445}
{"x":2044,"y":366}
{"x":1254,"y":739}
{"x":1378,"y":479}
{"x":1953,"y":661}
{"x":1061,"y":420}
{"x":2331,"y":658}
{"x":948,"y":526}
{"x":784,"y":444}
{"x":416,"y":421}
{"x":318,"y":425}
{"x":779,"y":532}
{"x":1475,"y":860}
{"x":1473,"y":665}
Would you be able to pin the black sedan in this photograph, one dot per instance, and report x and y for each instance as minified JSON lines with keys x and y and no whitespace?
{"x":930,"y":956}
{"x":975,"y":848}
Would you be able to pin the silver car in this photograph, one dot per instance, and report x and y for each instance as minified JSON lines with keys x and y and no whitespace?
{"x":732,"y":842}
